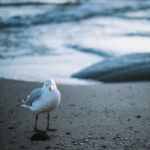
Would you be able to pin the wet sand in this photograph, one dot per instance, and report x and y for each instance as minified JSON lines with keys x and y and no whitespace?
{"x":105,"y":116}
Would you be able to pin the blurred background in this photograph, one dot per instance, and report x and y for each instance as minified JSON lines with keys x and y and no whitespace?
{"x":42,"y":39}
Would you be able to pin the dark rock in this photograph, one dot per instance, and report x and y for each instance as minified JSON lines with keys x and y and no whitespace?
{"x":133,"y":67}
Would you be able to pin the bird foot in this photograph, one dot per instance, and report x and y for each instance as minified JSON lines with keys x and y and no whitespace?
{"x":37,"y":130}
{"x":51,"y":130}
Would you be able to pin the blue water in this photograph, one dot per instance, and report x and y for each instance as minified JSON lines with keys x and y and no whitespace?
{"x":51,"y":40}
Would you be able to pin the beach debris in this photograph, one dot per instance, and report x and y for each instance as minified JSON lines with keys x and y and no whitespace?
{"x":44,"y":99}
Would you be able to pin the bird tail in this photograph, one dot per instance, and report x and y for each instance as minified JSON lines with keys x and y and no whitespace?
{"x":23,"y":100}
{"x":25,"y":106}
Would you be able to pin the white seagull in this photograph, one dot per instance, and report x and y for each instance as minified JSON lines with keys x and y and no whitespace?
{"x":44,"y":99}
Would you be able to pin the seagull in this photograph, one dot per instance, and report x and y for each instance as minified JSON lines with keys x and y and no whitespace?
{"x":43,"y":100}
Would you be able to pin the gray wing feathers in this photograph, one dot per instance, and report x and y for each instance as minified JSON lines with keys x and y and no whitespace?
{"x":34,"y":95}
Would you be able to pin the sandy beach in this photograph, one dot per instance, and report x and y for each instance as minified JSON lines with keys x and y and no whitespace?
{"x":104,"y":116}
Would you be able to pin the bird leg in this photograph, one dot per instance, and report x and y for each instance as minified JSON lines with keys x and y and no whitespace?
{"x":48,"y":116}
{"x":35,"y":125}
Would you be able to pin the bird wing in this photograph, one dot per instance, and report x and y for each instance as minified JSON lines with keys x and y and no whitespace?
{"x":34,"y":95}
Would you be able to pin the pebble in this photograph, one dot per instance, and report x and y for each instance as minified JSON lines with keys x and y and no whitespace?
{"x":102,"y":138}
{"x":47,"y":147}
{"x":10,"y":127}
{"x":104,"y":146}
{"x":22,"y":146}
{"x":68,"y":133}
{"x":138,"y":116}
{"x":86,"y":140}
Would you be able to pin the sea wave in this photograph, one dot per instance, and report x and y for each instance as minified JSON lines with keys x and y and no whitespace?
{"x":92,"y":51}
{"x":133,"y":67}
{"x":27,"y":14}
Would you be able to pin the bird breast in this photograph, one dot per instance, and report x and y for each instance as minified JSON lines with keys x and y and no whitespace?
{"x":48,"y":102}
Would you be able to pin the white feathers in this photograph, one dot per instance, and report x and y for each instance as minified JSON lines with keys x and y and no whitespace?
{"x":43,"y":99}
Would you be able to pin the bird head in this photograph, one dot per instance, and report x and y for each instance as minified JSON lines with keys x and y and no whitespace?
{"x":50,"y":84}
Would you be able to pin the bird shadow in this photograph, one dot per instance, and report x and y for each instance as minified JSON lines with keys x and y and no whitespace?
{"x":40,"y":136}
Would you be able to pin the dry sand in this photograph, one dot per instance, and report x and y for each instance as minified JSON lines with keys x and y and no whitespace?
{"x":104,"y":116}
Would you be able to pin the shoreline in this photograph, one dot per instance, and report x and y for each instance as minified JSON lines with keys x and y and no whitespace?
{"x":104,"y":116}
{"x":61,"y":81}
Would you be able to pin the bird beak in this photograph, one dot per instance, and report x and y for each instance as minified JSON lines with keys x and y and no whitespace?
{"x":50,"y":88}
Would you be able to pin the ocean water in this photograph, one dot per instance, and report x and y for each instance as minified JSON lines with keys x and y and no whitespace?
{"x":43,"y":39}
